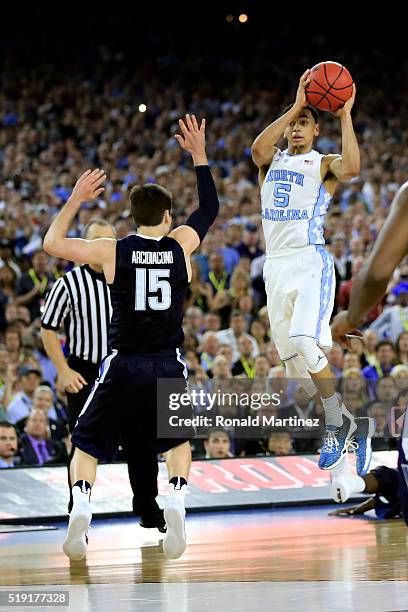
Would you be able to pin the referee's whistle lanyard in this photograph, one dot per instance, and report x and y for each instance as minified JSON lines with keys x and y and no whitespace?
{"x":37,"y":282}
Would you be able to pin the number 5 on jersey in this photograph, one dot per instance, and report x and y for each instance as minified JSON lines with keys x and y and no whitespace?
{"x":156,"y":284}
{"x":281,"y":194}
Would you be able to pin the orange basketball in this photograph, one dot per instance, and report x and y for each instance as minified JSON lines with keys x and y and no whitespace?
{"x":330,"y":87}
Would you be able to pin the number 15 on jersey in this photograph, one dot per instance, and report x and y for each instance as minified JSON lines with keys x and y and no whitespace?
{"x":155,"y":280}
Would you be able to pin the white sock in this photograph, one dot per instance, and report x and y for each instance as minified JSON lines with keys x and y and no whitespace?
{"x":332,"y":411}
{"x":82,"y":493}
{"x":178,"y":486}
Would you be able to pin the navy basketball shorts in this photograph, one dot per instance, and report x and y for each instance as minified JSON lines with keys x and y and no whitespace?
{"x":122,"y":405}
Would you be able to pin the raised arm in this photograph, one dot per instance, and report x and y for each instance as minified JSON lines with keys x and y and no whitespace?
{"x":371,"y":282}
{"x":100,"y":251}
{"x":199,"y":222}
{"x":263,"y":148}
{"x":346,"y":166}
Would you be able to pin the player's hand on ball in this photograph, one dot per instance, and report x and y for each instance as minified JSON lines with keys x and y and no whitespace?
{"x":346,"y":109}
{"x":193,"y":135}
{"x":301,"y":94}
{"x":88,"y":186}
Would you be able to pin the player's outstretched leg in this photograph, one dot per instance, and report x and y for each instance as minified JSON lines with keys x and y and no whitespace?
{"x":83,"y":473}
{"x":178,"y":461}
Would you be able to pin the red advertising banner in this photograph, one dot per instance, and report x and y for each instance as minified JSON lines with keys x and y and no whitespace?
{"x":28,"y":493}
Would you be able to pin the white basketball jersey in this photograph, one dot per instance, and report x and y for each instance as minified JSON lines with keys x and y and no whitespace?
{"x":294,"y":201}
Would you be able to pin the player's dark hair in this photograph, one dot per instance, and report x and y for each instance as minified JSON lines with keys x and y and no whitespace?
{"x":148,"y":204}
{"x":308,"y":107}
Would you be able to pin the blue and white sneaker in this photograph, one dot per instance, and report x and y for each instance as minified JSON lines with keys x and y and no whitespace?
{"x":335,"y":443}
{"x":360,"y":442}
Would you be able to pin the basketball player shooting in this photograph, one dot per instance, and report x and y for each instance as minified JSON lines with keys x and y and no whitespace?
{"x":297,"y":185}
{"x":148,"y":275}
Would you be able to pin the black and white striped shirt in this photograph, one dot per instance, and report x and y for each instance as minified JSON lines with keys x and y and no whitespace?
{"x":81,"y":301}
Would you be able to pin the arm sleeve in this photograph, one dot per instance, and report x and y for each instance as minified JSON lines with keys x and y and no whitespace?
{"x":56,"y":306}
{"x":208,"y":205}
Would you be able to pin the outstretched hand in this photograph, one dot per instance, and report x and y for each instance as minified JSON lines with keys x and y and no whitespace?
{"x":193,"y":137}
{"x":88,"y":186}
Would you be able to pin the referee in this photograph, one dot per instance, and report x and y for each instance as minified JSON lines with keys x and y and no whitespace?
{"x":80,"y":300}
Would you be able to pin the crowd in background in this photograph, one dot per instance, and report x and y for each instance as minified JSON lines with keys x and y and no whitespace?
{"x":54,"y":125}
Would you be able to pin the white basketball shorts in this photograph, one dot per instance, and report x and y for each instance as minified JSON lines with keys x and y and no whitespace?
{"x":300,"y":287}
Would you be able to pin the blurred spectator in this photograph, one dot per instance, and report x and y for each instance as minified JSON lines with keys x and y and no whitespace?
{"x":261,"y":366}
{"x":226,"y":351}
{"x":259,"y":332}
{"x":43,"y":399}
{"x":236,"y":330}
{"x":401,"y":346}
{"x":351,"y":361}
{"x":212,"y":322}
{"x":32,"y":286}
{"x":370,"y":341}
{"x":381,"y":435}
{"x":385,"y":357}
{"x":342,"y":261}
{"x":399,"y":374}
{"x":387,"y":390}
{"x":8,"y":445}
{"x":13,"y":342}
{"x":20,"y":406}
{"x":279,"y":443}
{"x":249,"y":247}
{"x":209,"y":347}
{"x":394,"y":320}
{"x":36,"y":446}
{"x":218,"y":444}
{"x":335,"y":359}
{"x":221,"y":368}
{"x":193,"y":319}
{"x":245,"y":364}
{"x":354,"y":381}
{"x":198,"y":293}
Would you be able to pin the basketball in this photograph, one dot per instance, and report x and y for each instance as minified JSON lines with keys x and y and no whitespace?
{"x":330,"y":87}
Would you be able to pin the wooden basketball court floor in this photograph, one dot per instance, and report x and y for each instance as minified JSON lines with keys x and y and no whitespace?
{"x":281,"y":560}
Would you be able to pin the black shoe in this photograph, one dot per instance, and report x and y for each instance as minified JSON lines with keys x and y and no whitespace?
{"x":152,"y":517}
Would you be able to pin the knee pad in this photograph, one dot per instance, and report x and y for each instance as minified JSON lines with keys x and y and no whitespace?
{"x":296,"y":369}
{"x":310,"y":352}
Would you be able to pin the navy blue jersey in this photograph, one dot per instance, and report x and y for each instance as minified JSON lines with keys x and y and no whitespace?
{"x":147,"y":295}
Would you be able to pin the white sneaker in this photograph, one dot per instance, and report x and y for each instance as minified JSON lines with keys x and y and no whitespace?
{"x":75,"y":541}
{"x":174,"y":543}
{"x":341,"y":488}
